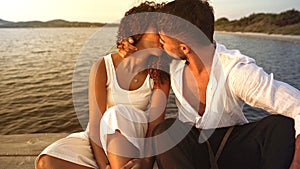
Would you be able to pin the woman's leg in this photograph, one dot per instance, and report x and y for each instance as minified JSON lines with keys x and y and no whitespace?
{"x":119,"y":150}
{"x":117,"y":123}
{"x":49,"y":162}
{"x":73,"y":151}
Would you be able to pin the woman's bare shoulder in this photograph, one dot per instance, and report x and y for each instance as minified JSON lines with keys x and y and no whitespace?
{"x":98,"y":70}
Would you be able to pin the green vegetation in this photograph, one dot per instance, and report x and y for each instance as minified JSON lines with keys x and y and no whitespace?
{"x":286,"y":23}
{"x":52,"y":23}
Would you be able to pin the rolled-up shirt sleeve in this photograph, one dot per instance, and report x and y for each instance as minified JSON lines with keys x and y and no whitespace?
{"x":259,"y":89}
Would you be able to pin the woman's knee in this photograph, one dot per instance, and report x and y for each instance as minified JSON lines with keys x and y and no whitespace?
{"x":43,"y":162}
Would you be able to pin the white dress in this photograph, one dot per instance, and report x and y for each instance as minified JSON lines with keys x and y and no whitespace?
{"x":127,"y":112}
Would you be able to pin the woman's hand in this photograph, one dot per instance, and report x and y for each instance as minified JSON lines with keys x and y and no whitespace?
{"x":137,"y":164}
{"x":125,"y":47}
{"x":107,"y":167}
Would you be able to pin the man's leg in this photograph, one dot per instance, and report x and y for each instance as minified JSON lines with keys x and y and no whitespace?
{"x":183,"y":154}
{"x":188,"y":153}
{"x":267,"y":144}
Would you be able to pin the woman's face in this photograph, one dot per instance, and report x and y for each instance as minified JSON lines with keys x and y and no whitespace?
{"x":149,"y":43}
{"x":149,"y":40}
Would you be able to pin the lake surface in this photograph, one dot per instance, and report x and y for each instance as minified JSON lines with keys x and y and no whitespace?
{"x":44,"y":73}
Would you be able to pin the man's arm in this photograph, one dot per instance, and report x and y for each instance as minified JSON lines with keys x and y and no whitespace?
{"x":259,"y":89}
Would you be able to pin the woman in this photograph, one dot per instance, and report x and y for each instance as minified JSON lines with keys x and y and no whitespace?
{"x":120,"y":88}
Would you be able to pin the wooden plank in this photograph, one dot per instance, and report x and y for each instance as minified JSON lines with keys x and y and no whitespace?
{"x":24,"y":162}
{"x":20,"y":151}
{"x":19,"y":162}
{"x":27,"y":144}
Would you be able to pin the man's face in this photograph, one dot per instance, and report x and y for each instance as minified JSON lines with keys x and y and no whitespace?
{"x":171,"y":46}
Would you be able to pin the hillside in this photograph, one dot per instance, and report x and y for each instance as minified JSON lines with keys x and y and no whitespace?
{"x":287,"y":23}
{"x":3,"y":22}
{"x":52,"y":23}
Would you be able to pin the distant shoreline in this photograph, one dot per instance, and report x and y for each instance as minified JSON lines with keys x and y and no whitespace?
{"x":33,"y":27}
{"x":246,"y":34}
{"x":92,"y":27}
{"x":57,"y":23}
{"x":263,"y":35}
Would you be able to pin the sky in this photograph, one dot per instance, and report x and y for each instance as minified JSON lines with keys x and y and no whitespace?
{"x":112,"y":10}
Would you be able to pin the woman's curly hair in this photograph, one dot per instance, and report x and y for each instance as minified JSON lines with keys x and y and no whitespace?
{"x":140,"y":23}
{"x":137,"y":23}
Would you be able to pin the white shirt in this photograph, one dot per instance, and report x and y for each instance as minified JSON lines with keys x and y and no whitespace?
{"x":235,"y":79}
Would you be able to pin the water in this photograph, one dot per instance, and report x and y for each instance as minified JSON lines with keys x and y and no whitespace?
{"x":37,"y":73}
{"x":36,"y":69}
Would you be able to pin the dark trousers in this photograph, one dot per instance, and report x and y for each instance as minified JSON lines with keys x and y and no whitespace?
{"x":266,"y":144}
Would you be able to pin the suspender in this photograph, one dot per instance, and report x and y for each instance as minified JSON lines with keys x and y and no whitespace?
{"x":212,"y":158}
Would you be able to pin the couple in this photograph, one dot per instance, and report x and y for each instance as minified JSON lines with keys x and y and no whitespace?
{"x":211,"y":85}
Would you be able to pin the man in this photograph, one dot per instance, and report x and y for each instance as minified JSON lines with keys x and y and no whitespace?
{"x":211,"y":85}
{"x":233,"y":78}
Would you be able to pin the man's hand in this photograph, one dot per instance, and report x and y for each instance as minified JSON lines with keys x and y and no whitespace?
{"x":125,"y":47}
{"x":296,"y":161}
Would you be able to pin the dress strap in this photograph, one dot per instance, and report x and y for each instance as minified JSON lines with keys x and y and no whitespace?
{"x":109,"y":68}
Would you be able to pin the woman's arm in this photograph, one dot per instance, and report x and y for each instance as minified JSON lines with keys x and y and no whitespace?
{"x":126,"y":47}
{"x":157,"y":112}
{"x":97,"y":107}
{"x":158,"y":104}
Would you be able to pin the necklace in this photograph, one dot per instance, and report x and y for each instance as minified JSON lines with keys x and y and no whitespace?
{"x":135,"y":80}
